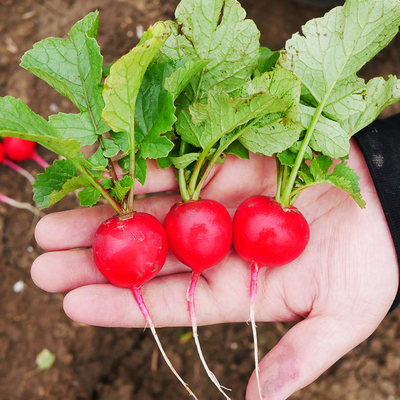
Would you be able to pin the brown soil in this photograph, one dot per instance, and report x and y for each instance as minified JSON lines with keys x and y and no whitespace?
{"x":106,"y":364}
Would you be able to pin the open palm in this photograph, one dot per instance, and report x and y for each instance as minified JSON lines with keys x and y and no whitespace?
{"x":339,"y":289}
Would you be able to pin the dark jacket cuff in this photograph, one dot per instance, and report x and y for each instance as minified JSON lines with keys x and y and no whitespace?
{"x":380,"y":145}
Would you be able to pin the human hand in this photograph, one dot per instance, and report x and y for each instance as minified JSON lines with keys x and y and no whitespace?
{"x":339,"y":289}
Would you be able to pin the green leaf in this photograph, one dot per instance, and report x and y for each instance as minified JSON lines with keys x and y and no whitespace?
{"x":180,"y":78}
{"x":164,"y":162}
{"x":89,"y":196}
{"x":154,"y":146}
{"x":121,"y":139}
{"x":106,"y":70}
{"x":98,"y":161}
{"x":56,"y":182}
{"x":335,"y":47}
{"x":141,"y":169}
{"x":328,"y":136}
{"x":76,"y":126}
{"x":222,"y":114}
{"x":279,"y":83}
{"x":327,"y":57}
{"x":72,"y":67}
{"x":18,"y":120}
{"x":267,"y":59}
{"x":186,"y":129}
{"x":55,"y":61}
{"x":346,"y":179}
{"x":124,"y":163}
{"x":274,"y":133}
{"x":184,"y":160}
{"x":89,"y":62}
{"x":126,"y":181}
{"x":111,"y":149}
{"x":45,"y":360}
{"x":270,"y":135}
{"x":288,"y":157}
{"x":238,"y":150}
{"x":305,"y":174}
{"x":217,"y":31}
{"x":380,"y":93}
{"x":122,"y":86}
{"x":319,"y":167}
{"x":154,"y":113}
{"x":346,"y":99}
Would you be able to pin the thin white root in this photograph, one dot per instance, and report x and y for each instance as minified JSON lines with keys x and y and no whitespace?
{"x":253,"y":294}
{"x":190,"y":298}
{"x":255,"y":341}
{"x":137,"y":294}
{"x":18,"y":204}
{"x":168,"y":362}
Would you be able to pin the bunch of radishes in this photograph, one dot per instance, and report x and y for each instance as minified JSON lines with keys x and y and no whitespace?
{"x":192,"y":91}
{"x":18,"y":150}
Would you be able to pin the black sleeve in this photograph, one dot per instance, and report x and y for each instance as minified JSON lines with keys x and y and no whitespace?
{"x":380,"y":145}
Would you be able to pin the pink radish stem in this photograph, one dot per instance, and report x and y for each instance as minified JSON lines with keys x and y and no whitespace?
{"x":253,"y":294}
{"x":17,"y":204}
{"x":19,"y":169}
{"x":44,"y":164}
{"x":136,"y":291}
{"x":192,"y":311}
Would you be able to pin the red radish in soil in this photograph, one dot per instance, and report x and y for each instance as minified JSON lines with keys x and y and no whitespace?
{"x":21,"y":150}
{"x":266,"y":234}
{"x":130,"y":250}
{"x":199,"y":235}
{"x":15,"y":167}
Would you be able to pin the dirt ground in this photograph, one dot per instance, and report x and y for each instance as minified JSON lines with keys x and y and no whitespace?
{"x":106,"y":364}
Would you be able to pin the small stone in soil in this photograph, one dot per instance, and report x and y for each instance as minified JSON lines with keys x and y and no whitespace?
{"x":19,"y":287}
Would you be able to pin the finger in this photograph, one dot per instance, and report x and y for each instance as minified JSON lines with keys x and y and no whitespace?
{"x":76,"y":228}
{"x":62,"y":271}
{"x":157,"y":179}
{"x":304,"y":353}
{"x":217,"y":298}
{"x":165,"y":297}
{"x":238,"y":179}
{"x":65,"y":270}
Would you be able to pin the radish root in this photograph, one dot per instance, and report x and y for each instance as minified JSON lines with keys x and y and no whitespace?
{"x":253,"y":294}
{"x":39,"y":160}
{"x":18,"y":204}
{"x":20,"y":170}
{"x":139,"y":299}
{"x":192,"y":311}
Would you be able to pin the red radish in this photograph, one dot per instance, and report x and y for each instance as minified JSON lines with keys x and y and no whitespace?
{"x":130,"y":250}
{"x":199,"y":235}
{"x":21,"y":150}
{"x":266,"y":234}
{"x":15,"y":167}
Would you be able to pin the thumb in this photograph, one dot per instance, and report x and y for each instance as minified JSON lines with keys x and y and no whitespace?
{"x":304,"y":353}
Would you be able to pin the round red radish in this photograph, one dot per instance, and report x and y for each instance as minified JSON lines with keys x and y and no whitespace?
{"x":130,"y":250}
{"x":267,"y":233}
{"x":19,"y":149}
{"x":1,"y":152}
{"x":199,"y":233}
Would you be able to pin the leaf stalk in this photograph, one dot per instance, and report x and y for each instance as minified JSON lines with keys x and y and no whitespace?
{"x":285,"y":199}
